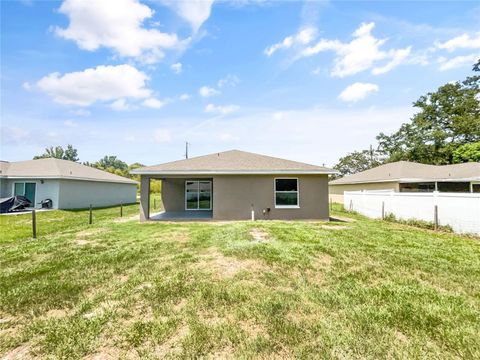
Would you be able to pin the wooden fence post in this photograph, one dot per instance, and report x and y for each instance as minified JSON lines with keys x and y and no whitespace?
{"x":435,"y":217}
{"x":121,"y":210}
{"x":34,"y":224}
{"x":90,"y":217}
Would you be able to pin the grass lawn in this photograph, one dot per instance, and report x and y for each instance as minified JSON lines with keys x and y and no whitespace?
{"x":269,"y":289}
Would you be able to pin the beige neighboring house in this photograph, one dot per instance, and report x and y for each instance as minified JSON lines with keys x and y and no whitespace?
{"x":232,"y":185}
{"x":405,"y":176}
{"x":68,"y":184}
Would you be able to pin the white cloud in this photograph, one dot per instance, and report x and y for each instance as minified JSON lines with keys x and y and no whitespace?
{"x":176,"y":68}
{"x":221,"y":109}
{"x":229,"y":80}
{"x":278,"y":115}
{"x":70,"y":123}
{"x":357,"y":91}
{"x":80,"y":112}
{"x":117,"y":25}
{"x":457,"y":61}
{"x":153,"y":103}
{"x":195,"y":12}
{"x":398,"y":56}
{"x":184,"y":97}
{"x":120,"y":105}
{"x":206,"y":91}
{"x":362,"y":53}
{"x":162,"y":135}
{"x":103,"y":83}
{"x":463,"y":41}
{"x":303,"y":37}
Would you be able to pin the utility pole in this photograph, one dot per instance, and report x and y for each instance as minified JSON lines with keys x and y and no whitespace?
{"x":186,"y":149}
{"x":371,"y":154}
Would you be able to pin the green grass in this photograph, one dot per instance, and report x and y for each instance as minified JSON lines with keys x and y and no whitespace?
{"x":360,"y":289}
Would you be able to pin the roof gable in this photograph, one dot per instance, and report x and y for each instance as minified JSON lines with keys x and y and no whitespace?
{"x":233,"y":162}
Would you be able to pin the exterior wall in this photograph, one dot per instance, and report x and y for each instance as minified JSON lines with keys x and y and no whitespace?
{"x":336,"y":191}
{"x":233,"y":196}
{"x":77,"y":194}
{"x":173,"y":194}
{"x":48,"y":190}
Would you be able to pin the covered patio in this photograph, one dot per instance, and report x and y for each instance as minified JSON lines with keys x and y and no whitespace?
{"x":182,"y":215}
{"x":183,"y":198}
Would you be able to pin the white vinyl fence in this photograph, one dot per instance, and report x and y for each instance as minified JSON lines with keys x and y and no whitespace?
{"x":461,"y":211}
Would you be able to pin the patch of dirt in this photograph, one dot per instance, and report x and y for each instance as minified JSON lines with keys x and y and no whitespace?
{"x":252,"y":328}
{"x":172,"y":344}
{"x":102,"y":308}
{"x":323,"y":261}
{"x":226,"y":266}
{"x":180,"y":305}
{"x":259,"y":236}
{"x":226,"y":353}
{"x":400,"y":336}
{"x":56,"y":313}
{"x":145,"y":285}
{"x":105,"y":353}
{"x":20,"y":352}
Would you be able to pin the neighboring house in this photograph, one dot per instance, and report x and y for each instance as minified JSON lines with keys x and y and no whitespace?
{"x":404,"y":176}
{"x":231,"y":185}
{"x":68,"y":184}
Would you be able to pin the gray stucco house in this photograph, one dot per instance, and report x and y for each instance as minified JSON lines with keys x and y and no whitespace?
{"x":405,"y":176}
{"x":237,"y":185}
{"x":68,"y":184}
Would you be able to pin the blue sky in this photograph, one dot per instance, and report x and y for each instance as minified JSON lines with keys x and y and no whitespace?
{"x":307,"y":81}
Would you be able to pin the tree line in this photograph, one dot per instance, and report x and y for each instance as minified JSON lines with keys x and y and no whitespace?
{"x":445,"y":130}
{"x":108,"y":163}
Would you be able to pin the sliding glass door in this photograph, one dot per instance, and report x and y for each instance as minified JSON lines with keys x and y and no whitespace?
{"x":198,"y":195}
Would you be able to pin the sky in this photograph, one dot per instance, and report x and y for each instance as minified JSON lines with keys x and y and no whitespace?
{"x":308,"y":81}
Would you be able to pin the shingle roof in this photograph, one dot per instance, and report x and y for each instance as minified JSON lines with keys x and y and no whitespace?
{"x":410,"y":171}
{"x":51,"y":168}
{"x":233,"y":162}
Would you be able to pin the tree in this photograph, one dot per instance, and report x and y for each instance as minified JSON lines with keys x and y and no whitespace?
{"x":111,"y":162}
{"x":448,"y":118}
{"x":467,"y":153}
{"x":58,"y":152}
{"x":358,"y":161}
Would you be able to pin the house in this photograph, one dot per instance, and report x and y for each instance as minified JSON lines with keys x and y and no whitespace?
{"x":68,"y":184}
{"x":237,"y":185}
{"x":404,"y":176}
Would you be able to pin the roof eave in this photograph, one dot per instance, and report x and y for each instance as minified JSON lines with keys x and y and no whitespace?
{"x":233,"y":172}
{"x":67,"y":178}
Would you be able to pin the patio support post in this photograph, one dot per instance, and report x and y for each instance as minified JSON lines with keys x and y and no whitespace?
{"x":144,"y":197}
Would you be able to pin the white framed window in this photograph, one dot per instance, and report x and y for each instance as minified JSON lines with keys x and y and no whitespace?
{"x":198,"y":195}
{"x":286,"y":193}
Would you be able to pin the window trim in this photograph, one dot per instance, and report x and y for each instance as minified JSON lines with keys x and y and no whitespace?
{"x":24,"y":183}
{"x":198,"y":192}
{"x":275,"y":193}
